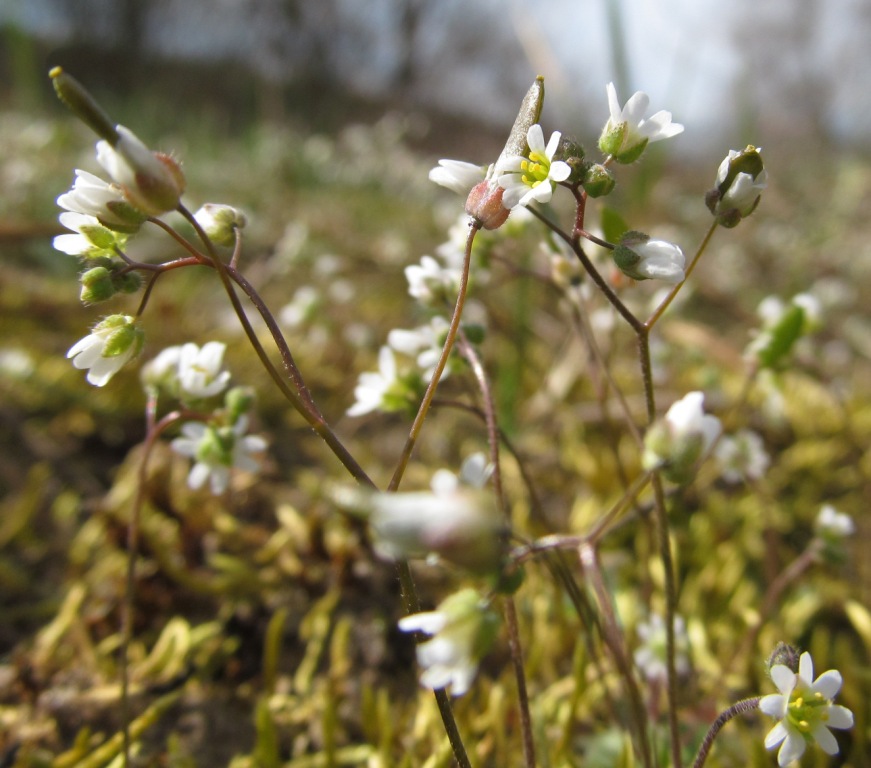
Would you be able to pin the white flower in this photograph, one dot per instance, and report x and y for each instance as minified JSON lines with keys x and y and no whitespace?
{"x":92,"y":196}
{"x":376,"y":391}
{"x":533,"y":178}
{"x":463,"y":628}
{"x":458,"y":175}
{"x":92,"y":239}
{"x":627,"y":132}
{"x":741,"y":178}
{"x":218,"y":450}
{"x":431,"y":283}
{"x":678,"y":442}
{"x":456,"y":520}
{"x":742,"y":456}
{"x":423,"y":343}
{"x":151,"y":182}
{"x":199,"y":369}
{"x":832,"y":524}
{"x":220,"y":222}
{"x":644,"y":259}
{"x":162,"y":371}
{"x":650,"y":656}
{"x":804,"y":709}
{"x":112,"y":343}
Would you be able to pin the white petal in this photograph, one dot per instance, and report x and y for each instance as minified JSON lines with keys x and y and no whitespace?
{"x":775,"y":736}
{"x":634,"y":109}
{"x":559,"y":171}
{"x":823,"y":737}
{"x":614,"y":103}
{"x":774,"y":704}
{"x":429,"y":622}
{"x":839,"y":717}
{"x":806,"y":668}
{"x":784,"y":678}
{"x":792,"y":749}
{"x":198,"y":475}
{"x":535,"y":138}
{"x":828,"y":684}
{"x":552,"y":144}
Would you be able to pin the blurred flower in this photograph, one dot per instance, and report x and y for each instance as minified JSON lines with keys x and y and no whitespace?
{"x":113,"y":342}
{"x":384,"y":390}
{"x":431,"y":283}
{"x":199,"y":369}
{"x":217,"y":450}
{"x":532,"y":178}
{"x":741,"y":178}
{"x":804,"y":709}
{"x":783,"y":324}
{"x":162,"y":370}
{"x":831,"y":523}
{"x":92,"y":196}
{"x":742,"y":456}
{"x":678,"y":442}
{"x":152,"y":182}
{"x":220,"y":222}
{"x":641,"y":258}
{"x":650,"y":656}
{"x":463,"y":629}
{"x":627,"y":133}
{"x":423,"y":343}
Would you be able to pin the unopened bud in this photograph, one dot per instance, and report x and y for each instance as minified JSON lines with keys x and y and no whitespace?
{"x":220,"y":222}
{"x":741,"y":178}
{"x":598,"y":180}
{"x":238,"y":401}
{"x":784,"y":655}
{"x":484,"y":205}
{"x":97,"y":285}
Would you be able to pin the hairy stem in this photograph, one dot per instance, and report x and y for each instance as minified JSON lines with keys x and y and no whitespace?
{"x":745,"y":705}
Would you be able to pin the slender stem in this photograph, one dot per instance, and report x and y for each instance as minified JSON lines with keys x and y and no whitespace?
{"x":428,"y":395}
{"x":514,"y":644}
{"x":740,"y":707}
{"x":660,"y":310}
{"x":153,"y":431}
{"x":614,"y":640}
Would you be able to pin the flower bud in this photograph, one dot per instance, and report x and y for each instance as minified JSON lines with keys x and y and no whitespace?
{"x":785,"y":655}
{"x":783,"y":325}
{"x":641,"y":258}
{"x":741,"y":178}
{"x":97,"y":285}
{"x":598,"y":180}
{"x":484,"y":205}
{"x":238,"y":401}
{"x":113,"y":342}
{"x":220,"y":222}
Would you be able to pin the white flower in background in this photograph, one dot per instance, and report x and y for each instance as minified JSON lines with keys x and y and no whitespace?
{"x":431,"y":283}
{"x":301,"y":308}
{"x":804,"y":710}
{"x":216,"y":451}
{"x":463,"y":628}
{"x":678,"y":442}
{"x":152,"y":182}
{"x":424,"y":344}
{"x":199,"y":369}
{"x":641,"y":258}
{"x":458,"y":175}
{"x":92,"y":196}
{"x":783,"y":325}
{"x":627,"y":133}
{"x":382,"y":390}
{"x":162,"y":370}
{"x":111,"y":345}
{"x":650,"y":656}
{"x":91,"y":240}
{"x":533,"y":178}
{"x":220,"y":222}
{"x":742,"y":456}
{"x":832,"y":524}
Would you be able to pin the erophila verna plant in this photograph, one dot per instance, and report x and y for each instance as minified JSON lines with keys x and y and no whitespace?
{"x":541,"y":191}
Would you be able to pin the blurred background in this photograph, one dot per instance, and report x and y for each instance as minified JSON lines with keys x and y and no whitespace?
{"x":321,"y":119}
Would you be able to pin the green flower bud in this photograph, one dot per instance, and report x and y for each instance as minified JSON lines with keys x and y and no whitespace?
{"x":741,"y":178}
{"x":127,"y":282}
{"x":97,"y":285}
{"x":237,"y":401}
{"x":784,"y":654}
{"x":220,"y":222}
{"x":598,"y":180}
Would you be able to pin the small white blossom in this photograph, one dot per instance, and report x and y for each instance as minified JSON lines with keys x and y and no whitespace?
{"x":91,"y":240}
{"x":111,"y":345}
{"x":463,"y":629}
{"x":92,"y":196}
{"x":374,"y":391}
{"x":431,"y":283}
{"x":650,"y":656}
{"x":458,"y":175}
{"x":832,"y":524}
{"x":220,"y":222}
{"x":199,"y":369}
{"x":678,"y":442}
{"x":741,"y":179}
{"x":627,"y":132}
{"x":423,"y":343}
{"x":217,"y":451}
{"x":742,"y":456}
{"x":532,"y":178}
{"x":804,"y":710}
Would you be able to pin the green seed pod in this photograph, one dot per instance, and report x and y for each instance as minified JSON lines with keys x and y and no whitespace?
{"x":84,"y":106}
{"x":529,"y":114}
